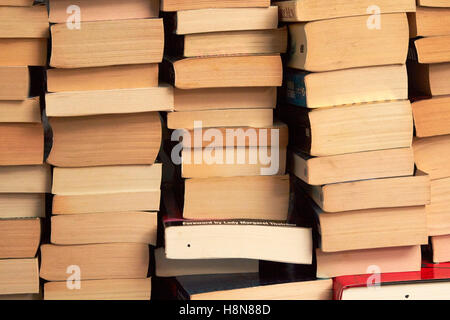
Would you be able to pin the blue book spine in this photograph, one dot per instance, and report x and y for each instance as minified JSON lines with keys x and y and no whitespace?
{"x":295,"y":87}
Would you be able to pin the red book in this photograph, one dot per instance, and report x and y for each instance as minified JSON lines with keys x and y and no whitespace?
{"x":406,"y":286}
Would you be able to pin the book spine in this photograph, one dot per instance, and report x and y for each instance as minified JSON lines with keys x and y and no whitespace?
{"x":296,"y":87}
{"x":297,"y":54}
{"x":412,"y":52}
{"x":299,"y":126}
{"x":288,"y":11}
{"x":167,"y":73}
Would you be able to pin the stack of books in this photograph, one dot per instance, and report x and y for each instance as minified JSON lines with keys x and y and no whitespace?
{"x":225,"y":66}
{"x":429,"y":69}
{"x":351,"y":131}
{"x":24,"y":179}
{"x":307,"y":160}
{"x":102,"y":107}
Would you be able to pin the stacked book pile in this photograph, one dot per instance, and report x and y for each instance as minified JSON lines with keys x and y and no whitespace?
{"x":351,"y":130}
{"x":225,"y":66}
{"x":103,"y":97}
{"x":429,"y":69}
{"x":24,"y":179}
{"x":307,"y":159}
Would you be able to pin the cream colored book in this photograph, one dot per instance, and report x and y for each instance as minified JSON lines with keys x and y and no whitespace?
{"x":225,"y":98}
{"x":106,"y":43}
{"x":109,"y":179}
{"x":309,"y":10}
{"x":441,"y":249}
{"x":349,"y":129}
{"x":101,"y":290}
{"x":25,"y":179}
{"x":263,"y":240}
{"x":103,"y":78}
{"x":24,"y":22}
{"x":225,"y":72}
{"x":96,"y":262}
{"x":429,"y":22}
{"x":351,"y":167}
{"x":20,"y":238}
{"x":371,"y":194}
{"x":389,"y":260}
{"x":121,"y":227}
{"x":433,"y":49}
{"x":437,"y":211}
{"x":432,"y":156}
{"x":225,"y":19}
{"x":265,"y":198}
{"x":87,"y":103}
{"x":108,"y":202}
{"x":19,"y":276}
{"x":255,"y":118}
{"x":105,"y":9}
{"x":25,"y":111}
{"x":372,"y":228}
{"x":432,"y":116}
{"x":178,"y":5}
{"x":125,"y":139}
{"x":430,"y":79}
{"x":22,"y":205}
{"x":231,"y":42}
{"x":14,"y":83}
{"x":23,"y":52}
{"x":353,"y":86}
{"x":233,"y":162}
{"x":175,"y":268}
{"x":351,"y":43}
